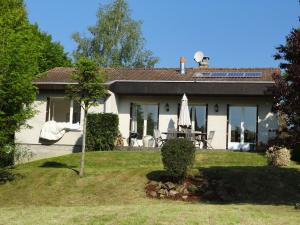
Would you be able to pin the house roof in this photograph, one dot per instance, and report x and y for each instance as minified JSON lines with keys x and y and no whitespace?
{"x":63,"y":74}
{"x":170,"y":81}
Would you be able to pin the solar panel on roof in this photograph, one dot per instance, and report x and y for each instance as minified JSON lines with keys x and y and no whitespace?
{"x":218,"y":74}
{"x":228,"y":74}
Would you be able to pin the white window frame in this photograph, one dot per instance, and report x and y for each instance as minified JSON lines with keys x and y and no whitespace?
{"x":71,"y":111}
{"x":144,"y":107}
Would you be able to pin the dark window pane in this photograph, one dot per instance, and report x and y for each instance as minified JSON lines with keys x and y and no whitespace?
{"x":140,"y":121}
{"x":76,"y":112}
{"x":250,"y":124}
{"x":60,"y":109}
{"x":152,"y":118}
{"x":235,"y":123}
{"x":200,"y":117}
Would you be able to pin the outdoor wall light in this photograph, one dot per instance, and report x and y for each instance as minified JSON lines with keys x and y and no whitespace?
{"x":216,"y":107}
{"x":167,"y":107}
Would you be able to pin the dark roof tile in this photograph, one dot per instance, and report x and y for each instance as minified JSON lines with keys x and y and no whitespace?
{"x":63,"y":74}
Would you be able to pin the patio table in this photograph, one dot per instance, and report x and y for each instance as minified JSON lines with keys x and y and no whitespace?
{"x":178,"y":134}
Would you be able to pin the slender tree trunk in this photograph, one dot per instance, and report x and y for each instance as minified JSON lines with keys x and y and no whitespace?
{"x":81,"y":173}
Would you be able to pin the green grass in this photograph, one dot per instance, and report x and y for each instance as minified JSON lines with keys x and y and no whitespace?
{"x":50,"y":191}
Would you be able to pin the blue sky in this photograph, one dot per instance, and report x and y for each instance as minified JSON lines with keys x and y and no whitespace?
{"x":234,"y":33}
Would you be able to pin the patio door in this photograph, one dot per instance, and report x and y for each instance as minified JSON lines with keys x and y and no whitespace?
{"x":242,"y":127}
{"x":198,"y":115}
{"x":144,"y":119}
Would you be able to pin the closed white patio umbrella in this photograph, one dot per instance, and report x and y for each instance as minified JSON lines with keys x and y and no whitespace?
{"x":184,"y":116}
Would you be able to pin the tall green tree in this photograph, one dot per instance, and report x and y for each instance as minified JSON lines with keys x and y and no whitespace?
{"x":18,"y":63}
{"x":52,"y":53}
{"x":116,"y":40}
{"x":24,"y":53}
{"x":86,"y":92}
{"x":287,"y":94}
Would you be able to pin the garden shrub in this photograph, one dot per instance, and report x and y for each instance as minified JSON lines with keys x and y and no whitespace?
{"x":6,"y":155}
{"x":177,"y":156}
{"x":278,"y":156}
{"x":296,"y":152}
{"x":102,"y":131}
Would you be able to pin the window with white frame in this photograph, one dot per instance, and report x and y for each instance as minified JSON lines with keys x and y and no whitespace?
{"x":62,"y":109}
{"x":144,"y":119}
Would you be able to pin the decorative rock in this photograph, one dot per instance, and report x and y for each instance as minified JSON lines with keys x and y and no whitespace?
{"x":153,"y":194}
{"x":162,"y":196}
{"x":173,"y":193}
{"x":297,"y":206}
{"x":179,"y":188}
{"x":184,"y":197}
{"x":163,"y":192}
{"x":185,"y":191}
{"x":159,"y":185}
{"x":170,"y":185}
{"x":152,"y":182}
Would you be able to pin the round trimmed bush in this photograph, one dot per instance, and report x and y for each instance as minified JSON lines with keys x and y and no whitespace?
{"x":278,"y":156}
{"x":177,"y":156}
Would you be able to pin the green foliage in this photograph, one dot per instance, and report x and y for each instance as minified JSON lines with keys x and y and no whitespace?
{"x":102,"y":131}
{"x":288,"y":85}
{"x":116,"y":39}
{"x":177,"y":156}
{"x":19,"y":56}
{"x":7,"y":155}
{"x":51,"y":53}
{"x":24,"y":52}
{"x":89,"y":87}
{"x":278,"y":156}
{"x":87,"y":92}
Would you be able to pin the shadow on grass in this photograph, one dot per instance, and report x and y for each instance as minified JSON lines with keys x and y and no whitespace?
{"x":244,"y":184}
{"x":59,"y":165}
{"x":159,"y":175}
{"x":6,"y":176}
{"x":253,"y":184}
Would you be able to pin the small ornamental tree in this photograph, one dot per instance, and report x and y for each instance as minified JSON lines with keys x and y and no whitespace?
{"x":87,"y":91}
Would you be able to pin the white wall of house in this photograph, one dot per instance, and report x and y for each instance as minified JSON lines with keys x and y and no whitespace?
{"x":216,"y":121}
{"x":30,"y":136}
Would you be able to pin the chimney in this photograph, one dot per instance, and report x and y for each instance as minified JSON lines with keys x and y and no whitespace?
{"x":182,"y":65}
{"x":204,"y":63}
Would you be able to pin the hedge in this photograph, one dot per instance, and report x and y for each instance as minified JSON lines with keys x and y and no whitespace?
{"x":102,"y":131}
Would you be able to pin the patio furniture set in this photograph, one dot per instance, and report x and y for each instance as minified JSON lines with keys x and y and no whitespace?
{"x":200,"y":139}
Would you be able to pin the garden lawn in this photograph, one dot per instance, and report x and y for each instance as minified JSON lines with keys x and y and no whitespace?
{"x":50,"y":191}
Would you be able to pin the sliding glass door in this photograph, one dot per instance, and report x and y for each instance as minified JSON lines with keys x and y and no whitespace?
{"x":144,"y":119}
{"x":198,"y":117}
{"x":242,"y":127}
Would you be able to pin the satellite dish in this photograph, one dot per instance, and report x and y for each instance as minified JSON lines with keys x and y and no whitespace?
{"x":198,"y":57}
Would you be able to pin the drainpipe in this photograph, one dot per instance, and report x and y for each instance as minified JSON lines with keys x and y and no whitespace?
{"x":182,"y":66}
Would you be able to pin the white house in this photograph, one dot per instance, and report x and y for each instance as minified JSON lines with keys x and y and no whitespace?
{"x":235,"y":103}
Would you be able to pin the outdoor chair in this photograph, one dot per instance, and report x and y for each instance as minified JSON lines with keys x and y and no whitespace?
{"x":190,"y":135}
{"x":171,"y":133}
{"x":133,"y":139}
{"x":209,"y":139}
{"x":199,"y":141}
{"x":158,"y":138}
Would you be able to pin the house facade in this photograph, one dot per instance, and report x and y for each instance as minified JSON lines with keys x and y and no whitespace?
{"x":234,"y":103}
